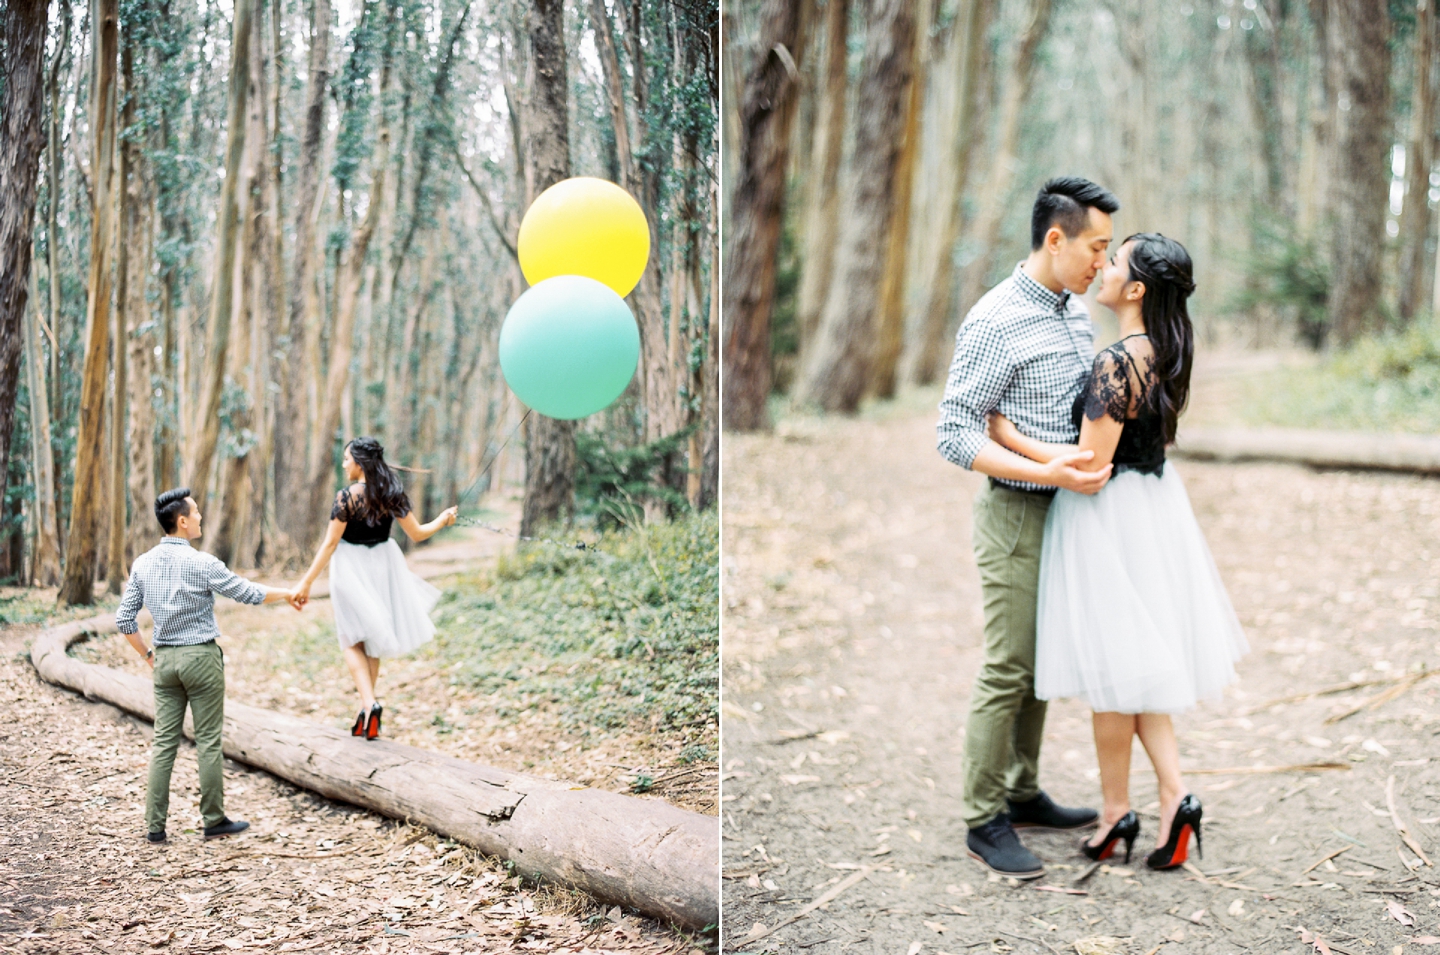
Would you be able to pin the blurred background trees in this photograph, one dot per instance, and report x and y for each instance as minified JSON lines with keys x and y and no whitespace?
{"x":260,"y":228}
{"x":1290,"y":145}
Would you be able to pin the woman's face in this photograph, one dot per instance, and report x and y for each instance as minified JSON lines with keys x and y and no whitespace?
{"x":352,"y":470}
{"x":1115,"y":284}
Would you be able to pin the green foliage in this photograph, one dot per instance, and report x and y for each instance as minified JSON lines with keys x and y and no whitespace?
{"x":626,"y":637}
{"x":1287,"y":272}
{"x":612,"y":483}
{"x":1387,"y":383}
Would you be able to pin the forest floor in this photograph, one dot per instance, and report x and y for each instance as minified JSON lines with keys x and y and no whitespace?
{"x":852,"y":636}
{"x":77,"y":876}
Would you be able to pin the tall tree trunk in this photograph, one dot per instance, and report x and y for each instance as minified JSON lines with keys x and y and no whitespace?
{"x":22,"y":137}
{"x":549,"y":444}
{"x":931,"y":354}
{"x":1360,"y":44}
{"x":995,"y":199}
{"x":78,"y":585}
{"x":890,"y":335}
{"x":222,"y":300}
{"x":321,"y":470}
{"x":838,"y":366}
{"x":291,"y":421}
{"x":822,"y":213}
{"x":52,"y":207}
{"x":710,"y":389}
{"x":116,"y":565}
{"x":757,"y":211}
{"x":1415,"y":220}
{"x":45,"y":565}
{"x":140,"y":333}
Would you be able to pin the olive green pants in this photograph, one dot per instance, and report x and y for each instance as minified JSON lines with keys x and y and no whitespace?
{"x":194,"y":676}
{"x":1006,"y":723}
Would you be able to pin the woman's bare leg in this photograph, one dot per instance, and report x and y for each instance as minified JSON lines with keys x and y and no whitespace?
{"x":374,"y":671}
{"x":1113,"y":735}
{"x":1157,"y":734}
{"x":362,"y":673}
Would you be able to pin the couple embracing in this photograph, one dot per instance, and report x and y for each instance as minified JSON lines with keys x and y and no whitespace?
{"x":1096,"y":580}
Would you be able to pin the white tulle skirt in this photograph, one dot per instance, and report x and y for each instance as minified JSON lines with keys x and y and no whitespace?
{"x":378,"y":601}
{"x":1132,"y":616}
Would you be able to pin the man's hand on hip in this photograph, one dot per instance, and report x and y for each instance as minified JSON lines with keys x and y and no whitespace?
{"x":1065,"y":472}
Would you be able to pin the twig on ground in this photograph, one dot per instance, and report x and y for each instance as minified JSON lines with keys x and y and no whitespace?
{"x":1029,"y":939}
{"x":1086,"y":873}
{"x":829,"y":896}
{"x":1257,"y":770}
{"x":1385,"y":696}
{"x":1325,"y":691}
{"x":1315,"y":865}
{"x":1400,"y":827}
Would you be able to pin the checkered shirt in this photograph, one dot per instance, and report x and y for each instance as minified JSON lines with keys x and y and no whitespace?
{"x":1024,"y":351}
{"x":178,"y":584}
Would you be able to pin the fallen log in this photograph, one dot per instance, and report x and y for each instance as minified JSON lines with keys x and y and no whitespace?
{"x":1415,"y":453}
{"x":640,"y":853}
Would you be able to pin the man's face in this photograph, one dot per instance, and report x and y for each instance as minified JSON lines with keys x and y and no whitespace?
{"x":1077,"y":260}
{"x":188,"y":525}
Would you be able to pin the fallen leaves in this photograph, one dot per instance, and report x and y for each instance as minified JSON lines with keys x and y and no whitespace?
{"x":1399,"y":913}
{"x":1100,"y":945}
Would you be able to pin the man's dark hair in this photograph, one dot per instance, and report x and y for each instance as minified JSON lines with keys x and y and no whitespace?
{"x":171,"y":506}
{"x":1065,"y":201}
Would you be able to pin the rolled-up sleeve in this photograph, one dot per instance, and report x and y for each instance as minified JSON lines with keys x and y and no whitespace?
{"x":130,"y":603}
{"x":979,"y":374}
{"x":227,"y":583}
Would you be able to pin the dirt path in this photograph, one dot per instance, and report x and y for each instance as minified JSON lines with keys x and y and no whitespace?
{"x":852,"y":629}
{"x":76,"y":874}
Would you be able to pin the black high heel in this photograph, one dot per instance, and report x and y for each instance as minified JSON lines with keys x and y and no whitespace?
{"x":1176,"y":849}
{"x":359,"y":728}
{"x":1127,"y":828}
{"x":372,"y":722}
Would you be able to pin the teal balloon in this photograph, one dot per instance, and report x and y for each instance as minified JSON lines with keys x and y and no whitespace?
{"x":569,"y":346}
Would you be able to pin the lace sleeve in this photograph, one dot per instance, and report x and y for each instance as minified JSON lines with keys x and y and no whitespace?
{"x":342,"y":511}
{"x":1108,"y":390}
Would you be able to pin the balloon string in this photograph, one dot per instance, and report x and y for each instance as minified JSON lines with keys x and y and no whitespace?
{"x":495,"y":457}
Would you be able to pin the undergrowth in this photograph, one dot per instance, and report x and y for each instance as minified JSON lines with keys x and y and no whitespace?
{"x":1388,"y":383}
{"x":628,"y":636}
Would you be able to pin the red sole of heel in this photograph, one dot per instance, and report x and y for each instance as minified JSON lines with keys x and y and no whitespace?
{"x":1182,"y":846}
{"x":1109,"y":851}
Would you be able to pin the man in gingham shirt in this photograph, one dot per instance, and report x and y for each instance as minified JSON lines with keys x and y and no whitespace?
{"x":1023,"y":351}
{"x":178,"y":585}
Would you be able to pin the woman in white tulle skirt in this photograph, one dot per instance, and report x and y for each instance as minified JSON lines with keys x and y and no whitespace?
{"x":1132,"y":616}
{"x":381,"y":608}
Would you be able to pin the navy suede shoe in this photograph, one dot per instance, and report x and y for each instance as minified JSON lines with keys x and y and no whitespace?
{"x":996,"y":846}
{"x":1042,"y":813}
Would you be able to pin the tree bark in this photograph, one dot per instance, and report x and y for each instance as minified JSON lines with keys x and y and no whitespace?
{"x":1419,"y":158}
{"x":890,"y":337}
{"x":837,"y":369}
{"x":1360,"y":44}
{"x":549,"y":444}
{"x":217,"y":340}
{"x":822,"y":213}
{"x":117,"y":567}
{"x":995,"y":199}
{"x":639,"y":853}
{"x":291,"y":422}
{"x":45,"y":565}
{"x":21,"y":139}
{"x":931,"y":355}
{"x":757,"y":209}
{"x":78,"y":585}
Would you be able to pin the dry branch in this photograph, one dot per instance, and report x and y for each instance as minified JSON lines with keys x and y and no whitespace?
{"x":829,"y":896}
{"x":1322,"y":449}
{"x":643,"y":854}
{"x":1380,"y":699}
{"x":1257,"y":770}
{"x":1400,"y":826}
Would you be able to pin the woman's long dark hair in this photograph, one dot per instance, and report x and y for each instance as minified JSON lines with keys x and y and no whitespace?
{"x":384,"y":494}
{"x":1163,"y":265}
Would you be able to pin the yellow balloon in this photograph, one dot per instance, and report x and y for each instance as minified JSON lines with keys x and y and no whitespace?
{"x":588,"y":227}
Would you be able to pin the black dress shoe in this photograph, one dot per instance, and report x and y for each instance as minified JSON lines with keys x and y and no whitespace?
{"x":996,"y":846}
{"x":156,"y":836}
{"x":1042,"y":813}
{"x":226,"y":827}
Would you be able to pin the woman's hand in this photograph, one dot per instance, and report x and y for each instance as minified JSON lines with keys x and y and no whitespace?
{"x":301,"y":595}
{"x":448,"y":516}
{"x":1001,"y":429}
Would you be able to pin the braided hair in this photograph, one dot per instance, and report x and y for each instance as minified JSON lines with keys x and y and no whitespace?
{"x":1164,"y":267}
{"x":384,"y":494}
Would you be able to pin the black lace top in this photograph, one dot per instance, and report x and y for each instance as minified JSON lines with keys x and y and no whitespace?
{"x":1119,"y":386}
{"x":360,"y":527}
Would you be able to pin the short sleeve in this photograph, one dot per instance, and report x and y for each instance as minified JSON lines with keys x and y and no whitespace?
{"x":402,"y":506}
{"x":1108,"y":390}
{"x":344,"y":508}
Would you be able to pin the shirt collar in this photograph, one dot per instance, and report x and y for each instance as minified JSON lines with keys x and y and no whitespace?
{"x":1052,"y":301}
{"x":167,"y":539}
